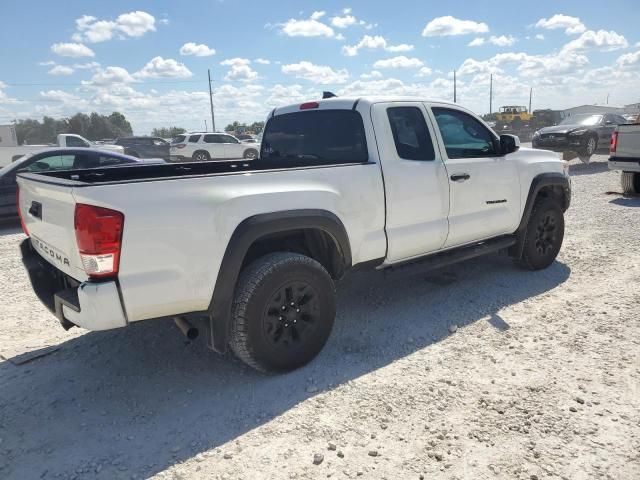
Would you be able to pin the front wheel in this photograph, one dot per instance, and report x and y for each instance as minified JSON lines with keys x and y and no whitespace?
{"x":544,"y":235}
{"x":283,"y":312}
{"x":251,"y":154}
{"x":588,"y":149}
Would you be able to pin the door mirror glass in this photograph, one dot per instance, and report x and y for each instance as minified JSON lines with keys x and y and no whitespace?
{"x":509,"y":143}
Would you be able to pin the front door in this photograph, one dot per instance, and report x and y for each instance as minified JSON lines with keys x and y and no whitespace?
{"x":232,"y":147}
{"x":415,"y":179}
{"x":484,"y":185}
{"x":214,"y":145}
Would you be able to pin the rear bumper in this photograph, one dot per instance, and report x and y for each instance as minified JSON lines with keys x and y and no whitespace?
{"x":624,"y":164}
{"x":90,"y":305}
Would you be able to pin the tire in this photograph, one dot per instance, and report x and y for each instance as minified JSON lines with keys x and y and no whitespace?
{"x":589,"y":148}
{"x":250,"y":154}
{"x":544,"y":235}
{"x":201,"y":156}
{"x":630,"y":182}
{"x":276,"y":338}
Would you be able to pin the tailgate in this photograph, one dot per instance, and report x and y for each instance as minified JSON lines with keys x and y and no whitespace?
{"x":628,"y":141}
{"x":48,"y":212}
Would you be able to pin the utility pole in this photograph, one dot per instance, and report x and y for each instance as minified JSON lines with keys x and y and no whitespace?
{"x":607,"y":99}
{"x":205,"y":125}
{"x":491,"y":94}
{"x":530,"y":95}
{"x":455,"y":91}
{"x":213,"y":121}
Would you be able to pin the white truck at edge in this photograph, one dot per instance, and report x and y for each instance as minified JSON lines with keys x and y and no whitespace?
{"x":625,"y":156}
{"x":10,"y":151}
{"x":255,"y":248}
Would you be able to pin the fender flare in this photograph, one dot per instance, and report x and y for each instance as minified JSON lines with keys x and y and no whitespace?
{"x":245,"y":234}
{"x":539,"y":182}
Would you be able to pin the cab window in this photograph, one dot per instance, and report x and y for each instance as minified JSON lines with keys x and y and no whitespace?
{"x":410,"y":133}
{"x":463,"y":135}
{"x":76,"y":142}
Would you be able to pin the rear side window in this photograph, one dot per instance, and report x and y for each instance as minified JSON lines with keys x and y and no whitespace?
{"x":319,"y":136}
{"x":463,"y":135}
{"x":194,"y":138}
{"x":179,"y":139}
{"x":410,"y":133}
{"x":212,"y":138}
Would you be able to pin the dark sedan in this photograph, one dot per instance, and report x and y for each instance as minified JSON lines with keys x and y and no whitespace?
{"x":584,"y":134}
{"x":145,"y":147}
{"x":54,"y":159}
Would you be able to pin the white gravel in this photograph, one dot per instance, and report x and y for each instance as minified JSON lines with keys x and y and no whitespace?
{"x":540,"y":378}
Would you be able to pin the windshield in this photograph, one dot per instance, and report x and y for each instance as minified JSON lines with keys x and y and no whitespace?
{"x":316,"y":136}
{"x":582,"y":120}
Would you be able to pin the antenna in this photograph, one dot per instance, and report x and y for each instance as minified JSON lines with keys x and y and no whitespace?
{"x":328,"y":95}
{"x":213,"y":121}
{"x":530,"y":95}
{"x":455,"y":92}
{"x":491,"y":94}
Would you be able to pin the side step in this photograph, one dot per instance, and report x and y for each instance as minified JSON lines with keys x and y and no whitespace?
{"x":459,"y":254}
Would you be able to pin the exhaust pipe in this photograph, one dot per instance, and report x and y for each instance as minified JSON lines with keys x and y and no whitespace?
{"x":186,"y":328}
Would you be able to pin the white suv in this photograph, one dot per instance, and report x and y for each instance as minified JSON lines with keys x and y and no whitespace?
{"x":202,"y":147}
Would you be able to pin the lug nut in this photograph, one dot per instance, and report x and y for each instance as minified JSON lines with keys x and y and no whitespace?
{"x":297,"y":310}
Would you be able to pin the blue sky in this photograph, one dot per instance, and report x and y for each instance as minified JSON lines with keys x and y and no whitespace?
{"x":149,"y":59}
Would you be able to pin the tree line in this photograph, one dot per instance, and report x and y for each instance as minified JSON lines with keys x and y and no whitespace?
{"x":93,"y":127}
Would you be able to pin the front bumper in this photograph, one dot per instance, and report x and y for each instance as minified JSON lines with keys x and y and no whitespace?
{"x":90,"y":305}
{"x":624,"y":164}
{"x":558,"y":144}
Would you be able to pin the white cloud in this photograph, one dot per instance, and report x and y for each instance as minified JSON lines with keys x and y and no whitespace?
{"x":61,"y":70}
{"x":132,"y":24}
{"x":448,"y":26}
{"x":629,"y":59}
{"x":240,"y":70}
{"x":344,"y":21}
{"x":571,"y":25}
{"x":111,"y":75}
{"x":539,"y":36}
{"x":320,"y":74}
{"x":262,"y":61}
{"x":310,"y":27}
{"x":372,"y":43}
{"x":602,"y":40}
{"x":399,"y":62}
{"x":159,"y":67}
{"x":424,"y":72}
{"x":476,"y":42}
{"x":197,"y":50}
{"x":372,"y":74}
{"x":501,"y":41}
{"x":72,"y":50}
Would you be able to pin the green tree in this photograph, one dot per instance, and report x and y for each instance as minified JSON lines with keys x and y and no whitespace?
{"x":167,"y":132}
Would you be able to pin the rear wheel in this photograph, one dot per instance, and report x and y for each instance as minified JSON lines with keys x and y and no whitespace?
{"x":201,"y":156}
{"x":283,"y":312}
{"x":544,"y":235}
{"x":630,"y":182}
{"x":251,"y":154}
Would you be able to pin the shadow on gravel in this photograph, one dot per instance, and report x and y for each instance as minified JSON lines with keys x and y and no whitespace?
{"x":137,"y":400}
{"x":627,"y":201}
{"x":577,"y":169}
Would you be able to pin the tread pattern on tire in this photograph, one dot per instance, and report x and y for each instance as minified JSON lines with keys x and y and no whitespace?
{"x":629,"y":181}
{"x":524,"y":261}
{"x":250,"y":279}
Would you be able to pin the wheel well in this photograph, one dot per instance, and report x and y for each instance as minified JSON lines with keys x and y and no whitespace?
{"x":555,"y":192}
{"x":312,"y":242}
{"x":199,"y":151}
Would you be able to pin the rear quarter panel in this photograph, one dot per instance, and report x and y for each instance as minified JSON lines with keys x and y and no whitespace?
{"x":176,"y":231}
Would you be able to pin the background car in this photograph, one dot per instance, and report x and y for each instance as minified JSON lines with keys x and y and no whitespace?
{"x":584,"y":134}
{"x":145,"y":147}
{"x":202,"y":147}
{"x":55,"y":159}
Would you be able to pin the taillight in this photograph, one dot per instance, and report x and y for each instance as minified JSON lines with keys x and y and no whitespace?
{"x":99,"y":238}
{"x":309,"y":105}
{"x":614,"y":143}
{"x":24,"y":227}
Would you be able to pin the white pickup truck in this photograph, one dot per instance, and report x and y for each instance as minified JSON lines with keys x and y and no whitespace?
{"x":10,"y":154}
{"x":625,"y":156}
{"x":255,"y":248}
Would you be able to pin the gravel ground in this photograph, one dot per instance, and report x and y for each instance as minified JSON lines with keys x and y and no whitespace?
{"x":479,"y":371}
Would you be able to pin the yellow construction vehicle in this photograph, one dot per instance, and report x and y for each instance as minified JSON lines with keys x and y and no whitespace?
{"x":510,"y":113}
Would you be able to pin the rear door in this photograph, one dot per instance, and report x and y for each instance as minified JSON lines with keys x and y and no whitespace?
{"x":214,"y":145}
{"x":232,"y":147}
{"x":484,"y":185}
{"x":415,"y":180}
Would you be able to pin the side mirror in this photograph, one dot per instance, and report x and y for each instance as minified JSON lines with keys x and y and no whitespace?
{"x":509,"y":143}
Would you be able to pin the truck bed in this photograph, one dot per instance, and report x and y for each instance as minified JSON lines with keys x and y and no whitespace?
{"x":168,"y":171}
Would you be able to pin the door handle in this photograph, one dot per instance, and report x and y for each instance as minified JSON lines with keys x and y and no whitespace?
{"x":460,"y":177}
